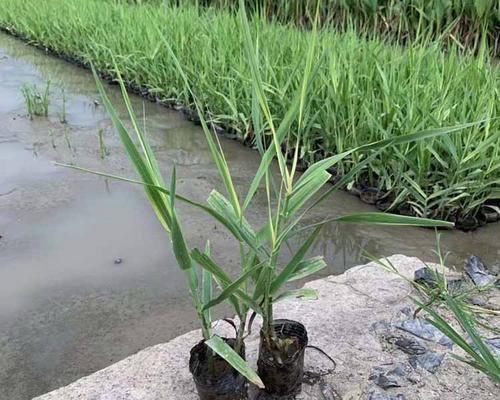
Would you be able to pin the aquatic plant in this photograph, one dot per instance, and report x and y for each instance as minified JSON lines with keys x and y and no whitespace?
{"x":62,"y":116}
{"x":36,"y":101}
{"x":459,"y":21}
{"x":364,"y":91}
{"x":103,"y":150}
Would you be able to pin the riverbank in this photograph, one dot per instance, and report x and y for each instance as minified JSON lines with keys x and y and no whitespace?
{"x":366,"y":308}
{"x":365,"y":90}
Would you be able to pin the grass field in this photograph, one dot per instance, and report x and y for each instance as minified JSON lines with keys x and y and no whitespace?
{"x":365,"y":90}
{"x":451,"y":21}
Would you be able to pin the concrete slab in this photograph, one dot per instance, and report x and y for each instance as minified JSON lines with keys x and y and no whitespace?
{"x":349,"y":321}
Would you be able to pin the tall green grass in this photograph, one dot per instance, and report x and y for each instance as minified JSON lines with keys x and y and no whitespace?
{"x":458,"y":21}
{"x":364,"y":90}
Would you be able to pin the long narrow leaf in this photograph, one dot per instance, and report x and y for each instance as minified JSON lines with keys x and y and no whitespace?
{"x":227,"y":353}
{"x":291,"y":267}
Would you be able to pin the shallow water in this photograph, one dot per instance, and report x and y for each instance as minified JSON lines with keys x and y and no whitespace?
{"x":66,"y":307}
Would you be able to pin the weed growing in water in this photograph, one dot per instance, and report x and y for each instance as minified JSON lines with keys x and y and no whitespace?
{"x":66,"y":138}
{"x":103,"y":150}
{"x":37,"y":102}
{"x":62,"y":116}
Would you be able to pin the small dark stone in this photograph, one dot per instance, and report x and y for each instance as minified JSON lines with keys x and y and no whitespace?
{"x":429,"y":361}
{"x":384,"y":381}
{"x":488,"y":214}
{"x":409,"y":346}
{"x":424,"y":330}
{"x":382,"y":328}
{"x":477,"y":272}
{"x":369,"y":195}
{"x":425,"y":276}
{"x":118,"y":261}
{"x":455,"y":285}
{"x":406,"y":311}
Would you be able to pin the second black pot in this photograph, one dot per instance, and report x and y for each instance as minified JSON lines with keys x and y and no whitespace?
{"x":282,"y":370}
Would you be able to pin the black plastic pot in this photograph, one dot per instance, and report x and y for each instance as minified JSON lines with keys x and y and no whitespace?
{"x":282,"y":371}
{"x":219,"y":381}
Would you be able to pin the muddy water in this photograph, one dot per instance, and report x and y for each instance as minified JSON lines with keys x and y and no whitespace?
{"x":87,"y":276}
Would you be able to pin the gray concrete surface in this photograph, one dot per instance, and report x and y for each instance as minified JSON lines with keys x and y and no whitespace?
{"x":347,"y":322}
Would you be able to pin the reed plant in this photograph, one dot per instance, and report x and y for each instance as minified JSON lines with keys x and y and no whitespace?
{"x":365,"y":90}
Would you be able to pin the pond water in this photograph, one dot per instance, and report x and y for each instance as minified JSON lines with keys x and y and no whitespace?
{"x":87,"y":276}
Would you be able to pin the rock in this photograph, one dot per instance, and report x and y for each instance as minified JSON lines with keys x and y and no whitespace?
{"x":488,"y":214}
{"x":118,"y":261}
{"x":383,"y":396}
{"x":369,"y":195}
{"x":384,"y":381}
{"x":429,"y":361}
{"x":425,"y":276}
{"x":391,"y":378}
{"x":477,"y":272}
{"x":409,"y":346}
{"x":424,"y":330}
{"x":455,"y":285}
{"x":428,"y":277}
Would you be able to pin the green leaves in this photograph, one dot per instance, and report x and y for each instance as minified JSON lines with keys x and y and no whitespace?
{"x":377,"y":218}
{"x":227,"y":353}
{"x":229,"y":289}
{"x":224,"y":280}
{"x":306,"y":190}
{"x":308,"y":267}
{"x":292,"y":267}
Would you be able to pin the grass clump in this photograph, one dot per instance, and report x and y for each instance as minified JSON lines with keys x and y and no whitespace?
{"x":36,"y":100}
{"x":364,"y":90}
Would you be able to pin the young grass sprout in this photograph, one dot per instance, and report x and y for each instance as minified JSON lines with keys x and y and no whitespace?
{"x":37,"y":102}
{"x":62,"y":117}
